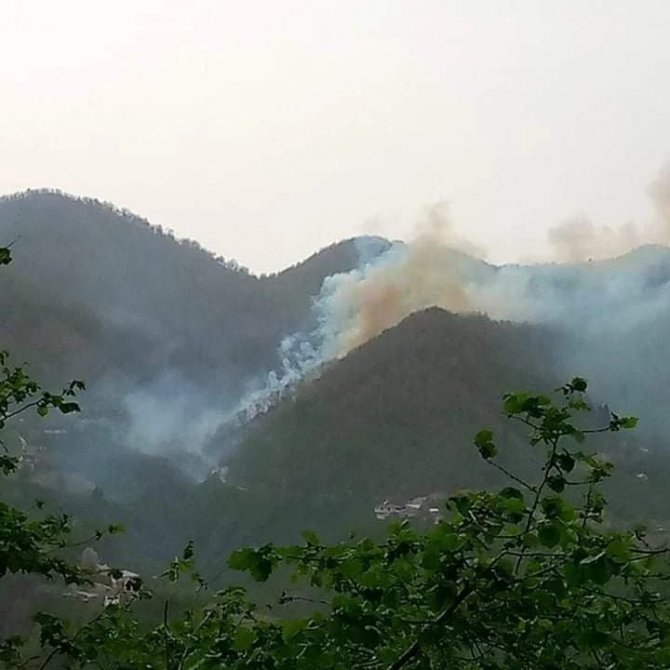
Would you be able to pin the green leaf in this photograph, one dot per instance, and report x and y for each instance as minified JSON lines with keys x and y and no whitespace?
{"x":310,"y":537}
{"x":619,"y":549}
{"x":550,"y":534}
{"x":556,"y":483}
{"x":514,"y":403}
{"x":597,"y":568}
{"x":241,"y":559}
{"x":579,"y":384}
{"x":293,"y":627}
{"x":244,"y":638}
{"x":483,"y":436}
{"x":189,"y":551}
{"x":485,"y":445}
{"x":530,"y":540}
{"x":591,"y":638}
{"x":514,"y":508}
{"x":552,"y":506}
{"x":258,"y":562}
{"x":566,"y":462}
{"x":511,"y":492}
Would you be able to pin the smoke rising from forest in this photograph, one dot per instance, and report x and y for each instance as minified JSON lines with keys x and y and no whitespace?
{"x":438,"y":269}
{"x":578,"y":239}
{"x":607,"y":311}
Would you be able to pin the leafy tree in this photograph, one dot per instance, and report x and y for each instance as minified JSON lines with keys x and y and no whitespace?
{"x":530,"y":576}
{"x":27,"y":545}
{"x":31,"y":544}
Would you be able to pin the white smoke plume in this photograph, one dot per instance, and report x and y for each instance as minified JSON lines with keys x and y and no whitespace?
{"x":171,"y":416}
{"x":606,"y":308}
{"x":437,"y":269}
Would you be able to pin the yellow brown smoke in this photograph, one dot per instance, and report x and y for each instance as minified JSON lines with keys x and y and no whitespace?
{"x":579,"y":239}
{"x":428,"y":271}
{"x":421,"y":274}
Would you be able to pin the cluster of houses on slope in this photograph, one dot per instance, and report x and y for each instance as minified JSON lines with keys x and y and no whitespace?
{"x":425,"y":507}
{"x":109,"y":586}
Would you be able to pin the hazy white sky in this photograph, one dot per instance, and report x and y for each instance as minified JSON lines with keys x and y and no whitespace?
{"x":268,"y":129}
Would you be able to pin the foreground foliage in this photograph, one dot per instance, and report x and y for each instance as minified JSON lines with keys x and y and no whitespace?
{"x":526,"y":577}
{"x":28,"y":545}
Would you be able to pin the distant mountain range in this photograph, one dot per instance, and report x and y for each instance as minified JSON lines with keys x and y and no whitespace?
{"x":105,"y":294}
{"x":169,"y":337}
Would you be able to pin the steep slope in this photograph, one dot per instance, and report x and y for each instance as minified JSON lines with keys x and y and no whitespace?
{"x":396,"y":419}
{"x":288,"y":288}
{"x":84,"y":269}
{"x":166,"y":335}
{"x":394,"y":416}
{"x":392,"y":420}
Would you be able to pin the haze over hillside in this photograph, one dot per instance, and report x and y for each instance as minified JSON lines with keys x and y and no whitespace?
{"x":349,"y":406}
{"x":167,"y":336}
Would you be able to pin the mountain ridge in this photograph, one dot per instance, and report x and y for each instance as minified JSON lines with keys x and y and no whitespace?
{"x":168,"y":338}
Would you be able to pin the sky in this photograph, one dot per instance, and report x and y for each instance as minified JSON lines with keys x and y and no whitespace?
{"x":266,"y":130}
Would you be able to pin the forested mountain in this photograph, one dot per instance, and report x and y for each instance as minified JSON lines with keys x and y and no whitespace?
{"x":168,"y":336}
{"x":102,"y":292}
{"x":394,"y":417}
{"x":393,"y":420}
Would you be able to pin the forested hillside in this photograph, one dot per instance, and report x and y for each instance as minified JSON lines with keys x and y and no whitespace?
{"x":170,"y":338}
{"x":393,"y":417}
{"x":167,"y":337}
{"x":105,"y":293}
{"x":392,"y":421}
